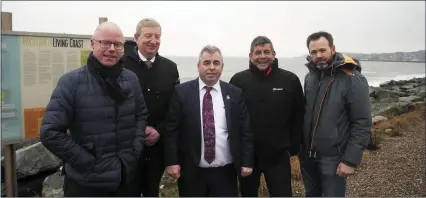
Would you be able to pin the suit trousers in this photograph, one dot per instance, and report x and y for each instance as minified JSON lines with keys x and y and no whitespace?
{"x":277,"y":177}
{"x":210,"y":182}
{"x":151,"y":170}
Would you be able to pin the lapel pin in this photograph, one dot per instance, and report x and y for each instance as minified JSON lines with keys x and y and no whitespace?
{"x":227,"y":97}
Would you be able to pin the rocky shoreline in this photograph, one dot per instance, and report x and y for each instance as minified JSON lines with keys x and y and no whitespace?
{"x":37,"y":168}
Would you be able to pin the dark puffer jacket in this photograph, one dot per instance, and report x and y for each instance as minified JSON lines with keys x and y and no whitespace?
{"x":105,"y":142}
{"x":337,"y":110}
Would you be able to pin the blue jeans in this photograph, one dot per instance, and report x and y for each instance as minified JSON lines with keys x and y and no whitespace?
{"x":319,"y":176}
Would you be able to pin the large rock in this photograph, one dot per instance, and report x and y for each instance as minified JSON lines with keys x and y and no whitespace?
{"x":397,"y":108}
{"x":53,"y":186}
{"x":34,"y":159}
{"x":385,"y":95}
{"x":410,"y":99}
{"x":22,"y":144}
{"x":391,"y":83}
{"x":418,"y":91}
{"x":377,"y":119}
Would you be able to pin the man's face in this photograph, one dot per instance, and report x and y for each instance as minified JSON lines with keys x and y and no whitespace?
{"x":262,"y":56}
{"x":149,"y":41}
{"x":210,"y":67}
{"x":107,"y":46}
{"x":321,"y":52}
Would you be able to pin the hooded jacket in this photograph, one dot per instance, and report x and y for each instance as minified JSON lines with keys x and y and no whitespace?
{"x":337,"y":117}
{"x":274,"y":99}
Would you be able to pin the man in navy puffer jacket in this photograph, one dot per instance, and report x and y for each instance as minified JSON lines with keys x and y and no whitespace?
{"x":102,"y":106}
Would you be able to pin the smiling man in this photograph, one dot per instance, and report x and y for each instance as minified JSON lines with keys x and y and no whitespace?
{"x":275,"y":103}
{"x":102,"y":106}
{"x":208,"y":142}
{"x":157,"y":76}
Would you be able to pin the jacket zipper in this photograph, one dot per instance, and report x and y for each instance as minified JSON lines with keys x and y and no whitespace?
{"x":318,"y":115}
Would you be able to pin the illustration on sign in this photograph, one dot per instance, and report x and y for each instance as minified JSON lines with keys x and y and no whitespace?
{"x":31,"y":68}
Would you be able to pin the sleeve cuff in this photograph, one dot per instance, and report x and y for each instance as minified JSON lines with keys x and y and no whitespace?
{"x":349,"y":164}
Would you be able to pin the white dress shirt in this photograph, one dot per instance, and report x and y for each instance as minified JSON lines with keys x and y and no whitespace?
{"x":145,"y":59}
{"x":222,"y":150}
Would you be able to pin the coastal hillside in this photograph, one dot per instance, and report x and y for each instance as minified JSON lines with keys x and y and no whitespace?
{"x":393,"y":165}
{"x":416,"y":56}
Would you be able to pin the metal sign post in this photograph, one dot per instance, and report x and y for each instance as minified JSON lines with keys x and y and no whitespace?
{"x":10,"y":170}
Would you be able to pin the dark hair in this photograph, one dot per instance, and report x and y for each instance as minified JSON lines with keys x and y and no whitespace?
{"x":317,"y":35}
{"x":260,"y":40}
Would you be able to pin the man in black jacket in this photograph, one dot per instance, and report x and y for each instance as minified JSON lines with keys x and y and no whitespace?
{"x":157,"y":76}
{"x":274,"y":100}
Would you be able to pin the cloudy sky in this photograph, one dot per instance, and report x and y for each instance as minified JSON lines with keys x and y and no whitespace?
{"x":187,"y":26}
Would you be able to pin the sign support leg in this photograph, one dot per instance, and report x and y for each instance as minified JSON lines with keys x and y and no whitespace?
{"x":10,"y":170}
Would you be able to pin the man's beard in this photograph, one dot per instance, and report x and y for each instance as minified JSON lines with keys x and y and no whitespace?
{"x":322,"y":65}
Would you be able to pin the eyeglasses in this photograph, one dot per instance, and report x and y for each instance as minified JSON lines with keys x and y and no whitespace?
{"x":107,"y":44}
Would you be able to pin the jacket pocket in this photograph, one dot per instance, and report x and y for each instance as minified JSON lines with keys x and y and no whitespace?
{"x":91,"y":148}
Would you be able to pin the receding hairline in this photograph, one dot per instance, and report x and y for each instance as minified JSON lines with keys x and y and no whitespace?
{"x":147,"y":22}
{"x":106,"y":25}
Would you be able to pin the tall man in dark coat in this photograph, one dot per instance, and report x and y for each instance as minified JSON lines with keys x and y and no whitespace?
{"x":157,"y":77}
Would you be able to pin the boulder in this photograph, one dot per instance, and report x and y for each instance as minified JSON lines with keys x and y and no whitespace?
{"x":397,"y":108}
{"x":410,"y":99}
{"x":371,"y":91}
{"x":385,"y":95}
{"x":418,"y":91}
{"x":377,"y":119}
{"x":34,"y":159}
{"x":22,"y":144}
{"x":53,"y":186}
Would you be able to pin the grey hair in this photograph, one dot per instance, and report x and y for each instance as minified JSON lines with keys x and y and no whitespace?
{"x":260,"y":40}
{"x":211,"y":49}
{"x":147,"y":22}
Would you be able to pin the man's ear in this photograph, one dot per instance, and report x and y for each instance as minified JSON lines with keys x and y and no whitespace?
{"x":92,"y":43}
{"x":333,"y":49}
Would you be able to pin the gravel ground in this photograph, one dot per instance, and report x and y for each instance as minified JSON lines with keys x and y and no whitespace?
{"x":396,"y":169}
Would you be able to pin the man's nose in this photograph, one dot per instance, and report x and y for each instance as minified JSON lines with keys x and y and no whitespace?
{"x":111,"y":47}
{"x":211,"y":66}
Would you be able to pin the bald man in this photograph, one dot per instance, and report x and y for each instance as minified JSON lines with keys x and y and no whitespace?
{"x":102,"y":106}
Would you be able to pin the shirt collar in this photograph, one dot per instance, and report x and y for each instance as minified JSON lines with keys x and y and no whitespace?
{"x":202,"y":84}
{"x":145,"y":59}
